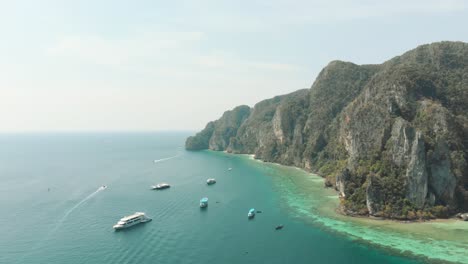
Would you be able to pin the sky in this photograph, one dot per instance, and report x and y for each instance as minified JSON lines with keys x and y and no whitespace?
{"x":113,"y":65}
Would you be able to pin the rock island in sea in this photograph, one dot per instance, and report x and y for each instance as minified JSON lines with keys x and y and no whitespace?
{"x":391,"y":138}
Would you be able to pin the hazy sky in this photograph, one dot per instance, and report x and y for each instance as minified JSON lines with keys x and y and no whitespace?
{"x":174,"y":65}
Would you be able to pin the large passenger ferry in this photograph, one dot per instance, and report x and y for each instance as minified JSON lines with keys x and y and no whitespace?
{"x":132,"y":220}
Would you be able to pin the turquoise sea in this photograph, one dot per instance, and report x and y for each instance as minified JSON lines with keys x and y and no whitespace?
{"x":53,"y":211}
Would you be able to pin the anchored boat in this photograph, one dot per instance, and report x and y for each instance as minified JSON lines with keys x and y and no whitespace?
{"x":278,"y":227}
{"x":160,"y":186}
{"x":211,"y":181}
{"x":251,"y":213}
{"x":204,"y":202}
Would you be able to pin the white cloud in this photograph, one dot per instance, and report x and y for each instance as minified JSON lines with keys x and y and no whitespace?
{"x":232,"y":52}
{"x":321,"y":11}
{"x":229,"y":61}
{"x":140,"y":81}
{"x":109,"y":51}
{"x":155,"y":52}
{"x":265,"y":15}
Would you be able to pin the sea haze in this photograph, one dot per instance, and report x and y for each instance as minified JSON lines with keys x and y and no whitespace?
{"x":54,"y":211}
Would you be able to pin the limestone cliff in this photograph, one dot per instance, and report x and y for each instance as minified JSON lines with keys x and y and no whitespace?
{"x":392,"y":138}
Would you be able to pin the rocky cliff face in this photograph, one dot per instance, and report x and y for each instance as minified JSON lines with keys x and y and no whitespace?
{"x":392,"y":138}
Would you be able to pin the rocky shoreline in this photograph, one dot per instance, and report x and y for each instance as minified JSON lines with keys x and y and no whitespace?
{"x":302,"y":195}
{"x":343,"y":211}
{"x":391,"y":138}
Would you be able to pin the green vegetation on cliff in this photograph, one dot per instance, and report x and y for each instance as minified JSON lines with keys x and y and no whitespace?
{"x":201,"y":139}
{"x":391,"y":138}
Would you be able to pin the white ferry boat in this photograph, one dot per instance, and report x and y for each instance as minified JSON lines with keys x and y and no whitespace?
{"x":132,"y":220}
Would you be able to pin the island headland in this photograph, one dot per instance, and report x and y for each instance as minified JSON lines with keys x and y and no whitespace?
{"x":391,"y":138}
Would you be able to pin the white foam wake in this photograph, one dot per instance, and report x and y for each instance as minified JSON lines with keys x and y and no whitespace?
{"x":168,"y":158}
{"x":60,"y":222}
{"x":81,"y":202}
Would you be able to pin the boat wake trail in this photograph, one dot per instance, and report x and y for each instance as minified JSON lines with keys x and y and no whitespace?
{"x":80,"y":203}
{"x":168,"y":158}
{"x":60,"y":222}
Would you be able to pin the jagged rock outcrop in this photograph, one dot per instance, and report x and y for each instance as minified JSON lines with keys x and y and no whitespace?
{"x":342,"y":180}
{"x":392,"y":138}
{"x":374,"y":197}
{"x":201,"y":139}
{"x":443,"y":181}
{"x":416,"y":174}
{"x":226,"y":127}
{"x":217,"y":134}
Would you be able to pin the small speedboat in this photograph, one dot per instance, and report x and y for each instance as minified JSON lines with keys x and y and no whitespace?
{"x":160,"y":186}
{"x":204,"y":202}
{"x":229,"y":169}
{"x":278,"y":227}
{"x":103,"y":187}
{"x":211,"y":181}
{"x":251,"y":213}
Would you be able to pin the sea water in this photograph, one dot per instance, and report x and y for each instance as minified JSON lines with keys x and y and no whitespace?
{"x":54,"y":209}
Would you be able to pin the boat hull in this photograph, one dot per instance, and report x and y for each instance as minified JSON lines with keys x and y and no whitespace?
{"x":204,"y":202}
{"x":120,"y":227}
{"x":160,"y":187}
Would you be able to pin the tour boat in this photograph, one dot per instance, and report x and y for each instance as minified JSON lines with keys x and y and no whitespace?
{"x":251,"y":213}
{"x":204,"y":202}
{"x":211,"y":181}
{"x":160,"y":186}
{"x":131,"y":220}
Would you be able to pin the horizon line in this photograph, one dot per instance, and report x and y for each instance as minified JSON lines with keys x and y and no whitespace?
{"x":94,"y":131}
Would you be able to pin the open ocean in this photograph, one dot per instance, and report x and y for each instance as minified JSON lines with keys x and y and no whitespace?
{"x":53,"y":211}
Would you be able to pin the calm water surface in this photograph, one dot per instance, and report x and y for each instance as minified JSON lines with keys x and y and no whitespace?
{"x":52,"y":210}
